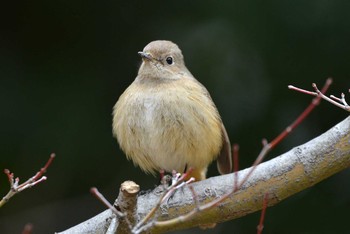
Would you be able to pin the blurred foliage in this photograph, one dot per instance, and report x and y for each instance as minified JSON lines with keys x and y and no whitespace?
{"x":63,"y":65}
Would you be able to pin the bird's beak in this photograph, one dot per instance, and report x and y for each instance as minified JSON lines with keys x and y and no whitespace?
{"x":145,"y":55}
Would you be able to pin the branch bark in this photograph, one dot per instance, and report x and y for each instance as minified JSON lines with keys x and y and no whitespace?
{"x":281,"y":177}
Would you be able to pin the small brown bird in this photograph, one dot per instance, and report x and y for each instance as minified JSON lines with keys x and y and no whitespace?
{"x":166,"y":119}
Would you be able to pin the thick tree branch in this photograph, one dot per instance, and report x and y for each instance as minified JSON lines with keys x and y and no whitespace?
{"x":281,"y":177}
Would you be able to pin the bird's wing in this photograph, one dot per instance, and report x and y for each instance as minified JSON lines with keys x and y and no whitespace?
{"x":224,"y":161}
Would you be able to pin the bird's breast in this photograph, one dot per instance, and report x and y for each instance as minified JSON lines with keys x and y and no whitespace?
{"x":168,"y":127}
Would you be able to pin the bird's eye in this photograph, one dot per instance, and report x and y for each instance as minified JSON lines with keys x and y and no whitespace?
{"x":169,"y":60}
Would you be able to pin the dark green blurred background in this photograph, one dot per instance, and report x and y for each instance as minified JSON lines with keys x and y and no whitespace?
{"x":63,"y":65}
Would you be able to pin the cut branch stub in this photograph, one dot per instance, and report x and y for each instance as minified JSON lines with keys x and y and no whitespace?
{"x":126,"y":203}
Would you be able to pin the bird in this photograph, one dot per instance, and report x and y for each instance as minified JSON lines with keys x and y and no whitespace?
{"x":167,"y":120}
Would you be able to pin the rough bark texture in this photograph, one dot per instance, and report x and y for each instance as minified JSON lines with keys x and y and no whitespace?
{"x":281,"y":177}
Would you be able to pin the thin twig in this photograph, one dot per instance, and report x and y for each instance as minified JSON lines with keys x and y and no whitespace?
{"x":15,"y":187}
{"x":28,"y":229}
{"x":339,"y":102}
{"x":100,"y":197}
{"x":304,"y":114}
{"x":119,"y":215}
{"x":235,"y":154}
{"x":44,"y":169}
{"x":260,"y":227}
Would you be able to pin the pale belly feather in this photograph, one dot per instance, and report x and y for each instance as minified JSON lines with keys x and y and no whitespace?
{"x":157,"y":132}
